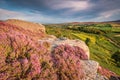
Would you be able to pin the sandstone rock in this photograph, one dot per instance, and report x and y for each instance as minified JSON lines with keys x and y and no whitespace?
{"x":34,"y":27}
{"x":114,"y":78}
{"x":90,"y":69}
{"x":51,"y":37}
{"x":78,"y":43}
{"x":32,"y":30}
{"x":100,"y":77}
{"x":55,"y":42}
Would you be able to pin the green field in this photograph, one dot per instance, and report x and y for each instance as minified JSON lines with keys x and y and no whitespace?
{"x":103,"y":41}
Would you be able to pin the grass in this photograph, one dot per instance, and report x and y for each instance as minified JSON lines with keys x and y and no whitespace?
{"x":116,"y":29}
{"x":84,"y":36}
{"x":101,"y":49}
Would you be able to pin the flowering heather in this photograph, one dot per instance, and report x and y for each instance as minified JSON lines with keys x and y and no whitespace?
{"x":32,"y":34}
{"x":23,"y":58}
{"x":34,"y":27}
{"x":105,"y":72}
{"x":36,"y":68}
{"x":67,"y":49}
{"x":67,"y":62}
{"x":19,"y":53}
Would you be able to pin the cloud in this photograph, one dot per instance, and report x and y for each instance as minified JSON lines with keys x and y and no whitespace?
{"x":110,"y":13}
{"x":34,"y":16}
{"x":7,"y":14}
{"x":73,"y":5}
{"x":107,"y":15}
{"x":56,"y":11}
{"x":70,"y":6}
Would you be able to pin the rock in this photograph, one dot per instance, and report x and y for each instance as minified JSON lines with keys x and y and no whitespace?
{"x":100,"y":77}
{"x":30,"y":29}
{"x":51,"y":37}
{"x":55,"y":42}
{"x":114,"y":78}
{"x":78,"y":43}
{"x":63,"y":38}
{"x":34,"y":27}
{"x":90,"y":69}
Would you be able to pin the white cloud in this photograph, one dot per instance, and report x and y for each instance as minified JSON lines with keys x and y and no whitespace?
{"x":8,"y":14}
{"x":110,"y":13}
{"x":107,"y":15}
{"x":34,"y":16}
{"x":72,"y":6}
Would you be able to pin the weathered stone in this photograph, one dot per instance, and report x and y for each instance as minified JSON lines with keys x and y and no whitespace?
{"x":78,"y":43}
{"x":100,"y":77}
{"x":90,"y":69}
{"x":55,"y":42}
{"x":35,"y":27}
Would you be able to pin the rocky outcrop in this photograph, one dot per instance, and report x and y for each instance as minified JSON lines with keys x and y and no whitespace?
{"x":101,"y":77}
{"x":34,"y":27}
{"x":21,"y":29}
{"x":90,"y":69}
{"x":24,"y":57}
{"x":19,"y":53}
{"x":55,"y":42}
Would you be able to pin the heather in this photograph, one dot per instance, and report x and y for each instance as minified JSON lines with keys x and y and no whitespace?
{"x":105,"y":72}
{"x":34,"y":27}
{"x":67,"y":62}
{"x":20,"y":53}
{"x":27,"y":55}
{"x":23,"y":57}
{"x":20,"y":29}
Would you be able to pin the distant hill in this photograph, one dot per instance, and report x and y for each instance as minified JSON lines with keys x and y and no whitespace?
{"x":115,"y":21}
{"x":88,"y":23}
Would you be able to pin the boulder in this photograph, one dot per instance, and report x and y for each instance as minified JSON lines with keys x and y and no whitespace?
{"x":34,"y":27}
{"x":100,"y":77}
{"x":90,"y":69}
{"x":55,"y":42}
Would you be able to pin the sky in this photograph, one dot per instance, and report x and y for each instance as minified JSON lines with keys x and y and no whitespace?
{"x":60,"y":11}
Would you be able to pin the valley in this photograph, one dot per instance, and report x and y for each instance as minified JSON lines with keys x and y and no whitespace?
{"x":102,"y":38}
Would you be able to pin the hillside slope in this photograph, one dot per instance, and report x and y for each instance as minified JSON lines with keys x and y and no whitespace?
{"x":25,"y":57}
{"x":34,"y":27}
{"x":100,"y":45}
{"x":33,"y":30}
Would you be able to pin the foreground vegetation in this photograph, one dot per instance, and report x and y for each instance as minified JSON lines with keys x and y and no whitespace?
{"x":103,"y":40}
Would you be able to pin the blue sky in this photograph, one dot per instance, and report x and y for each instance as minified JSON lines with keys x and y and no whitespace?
{"x":59,"y":11}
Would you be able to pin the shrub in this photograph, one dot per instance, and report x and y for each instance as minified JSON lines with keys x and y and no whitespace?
{"x":105,"y":72}
{"x":19,"y":53}
{"x":67,"y":62}
{"x":116,"y":57}
{"x":87,"y":41}
{"x":90,"y":30}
